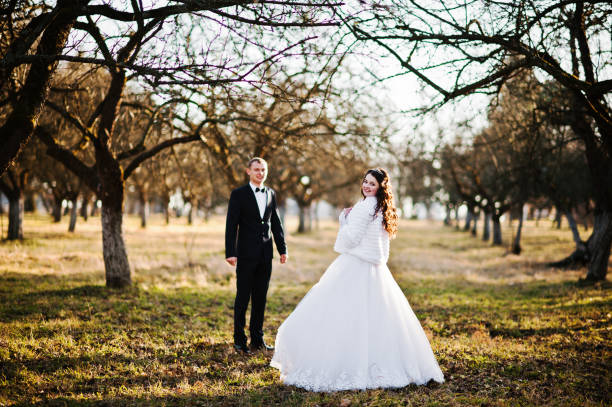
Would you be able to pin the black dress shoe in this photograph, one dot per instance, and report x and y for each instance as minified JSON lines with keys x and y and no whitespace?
{"x":261,"y":346}
{"x":242,"y":348}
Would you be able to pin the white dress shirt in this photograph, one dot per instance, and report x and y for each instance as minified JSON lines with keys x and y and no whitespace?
{"x":262,"y":198}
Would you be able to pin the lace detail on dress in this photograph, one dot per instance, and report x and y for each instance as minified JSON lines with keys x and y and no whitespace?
{"x":325,"y":381}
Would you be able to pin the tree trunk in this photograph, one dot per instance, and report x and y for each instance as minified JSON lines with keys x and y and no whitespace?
{"x":558,"y":218}
{"x":57,"y":210}
{"x":574,"y":228}
{"x":46,"y":202}
{"x":207,"y":214}
{"x":113,"y":247}
{"x":516,"y":243}
{"x":475,"y":223}
{"x":143,"y":209}
{"x":531,"y":212}
{"x":15,"y":217}
{"x":584,"y":216}
{"x":111,"y":189}
{"x":29,"y":204}
{"x":580,"y":256}
{"x":116,"y":265}
{"x":164,"y":202}
{"x":303,"y":224}
{"x":84,"y":207}
{"x":447,"y":216}
{"x":94,"y":208}
{"x":116,"y":261}
{"x":599,"y":246}
{"x":486,"y":227}
{"x":457,"y":217}
{"x":73,"y":215}
{"x":190,"y":215}
{"x":598,"y":149}
{"x":468,"y":219}
{"x":497,"y":236}
{"x":427,"y":210}
{"x":309,"y":218}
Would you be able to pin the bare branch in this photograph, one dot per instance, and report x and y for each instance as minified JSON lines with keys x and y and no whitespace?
{"x":154,"y":150}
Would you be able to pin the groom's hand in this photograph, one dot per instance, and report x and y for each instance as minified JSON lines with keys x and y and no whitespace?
{"x":232,"y":260}
{"x":284,"y":258}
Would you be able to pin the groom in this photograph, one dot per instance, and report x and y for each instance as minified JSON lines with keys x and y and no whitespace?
{"x":251,"y":216}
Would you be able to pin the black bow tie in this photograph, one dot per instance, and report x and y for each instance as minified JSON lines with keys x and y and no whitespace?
{"x":260,"y":189}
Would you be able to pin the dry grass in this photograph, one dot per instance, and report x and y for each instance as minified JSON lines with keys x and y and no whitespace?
{"x":507,"y":329}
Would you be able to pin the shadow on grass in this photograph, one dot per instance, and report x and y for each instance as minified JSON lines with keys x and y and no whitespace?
{"x":83,"y":291}
{"x":48,"y":296}
{"x":16,"y":283}
{"x":462,"y":289}
{"x":36,"y":238}
{"x":542,"y":332}
{"x":276,"y":394}
{"x":217,"y":357}
{"x":23,"y":302}
{"x":272,"y":395}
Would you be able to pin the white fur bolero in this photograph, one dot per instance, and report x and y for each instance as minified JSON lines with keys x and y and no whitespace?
{"x":362,"y":234}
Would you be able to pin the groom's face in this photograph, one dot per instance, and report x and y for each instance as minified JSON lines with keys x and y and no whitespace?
{"x":257,"y":172}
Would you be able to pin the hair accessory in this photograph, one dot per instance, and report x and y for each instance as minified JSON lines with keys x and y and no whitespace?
{"x":377,"y":171}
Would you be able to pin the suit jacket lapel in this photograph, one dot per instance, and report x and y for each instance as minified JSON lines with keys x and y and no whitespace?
{"x":268,"y":202}
{"x":254,"y":200}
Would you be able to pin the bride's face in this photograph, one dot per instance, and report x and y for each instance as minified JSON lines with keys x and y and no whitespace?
{"x":369,"y":186}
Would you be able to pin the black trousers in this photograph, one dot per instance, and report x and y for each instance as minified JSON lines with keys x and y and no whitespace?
{"x":252,"y":280}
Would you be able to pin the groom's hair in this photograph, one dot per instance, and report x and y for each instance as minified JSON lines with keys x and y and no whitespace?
{"x":257,"y":160}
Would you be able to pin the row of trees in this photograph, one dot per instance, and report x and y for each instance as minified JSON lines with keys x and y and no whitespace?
{"x":196,"y":71}
{"x":198,"y":145}
{"x":526,"y":155}
{"x":188,"y":62}
{"x":456,"y":49}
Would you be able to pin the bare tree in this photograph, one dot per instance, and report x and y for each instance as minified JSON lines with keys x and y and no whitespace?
{"x":12,"y":185}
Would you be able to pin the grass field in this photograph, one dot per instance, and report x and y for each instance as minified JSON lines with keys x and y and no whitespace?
{"x":507,"y":330}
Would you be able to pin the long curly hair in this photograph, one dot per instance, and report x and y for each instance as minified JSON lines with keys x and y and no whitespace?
{"x":384,"y":197}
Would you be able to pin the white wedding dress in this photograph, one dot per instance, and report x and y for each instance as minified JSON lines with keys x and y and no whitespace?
{"x":354,"y":329}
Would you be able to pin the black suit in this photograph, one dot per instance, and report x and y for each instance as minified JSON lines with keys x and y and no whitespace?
{"x":249,"y":238}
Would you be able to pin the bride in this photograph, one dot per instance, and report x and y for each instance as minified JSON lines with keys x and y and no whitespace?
{"x":354,"y":329}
